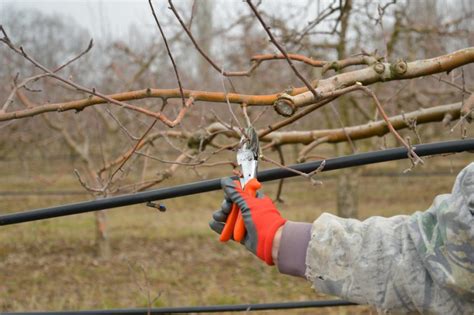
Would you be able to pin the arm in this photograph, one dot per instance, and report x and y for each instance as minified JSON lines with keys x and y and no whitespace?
{"x":423,"y":262}
{"x":290,"y":246}
{"x":371,"y":262}
{"x":276,"y":245}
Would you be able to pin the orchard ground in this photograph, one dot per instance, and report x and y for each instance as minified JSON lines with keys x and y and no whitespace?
{"x":173,"y":258}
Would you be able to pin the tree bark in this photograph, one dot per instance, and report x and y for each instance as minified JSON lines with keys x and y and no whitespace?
{"x":348,"y":179}
{"x":348,"y":193}
{"x":101,"y":239}
{"x":203,"y":20}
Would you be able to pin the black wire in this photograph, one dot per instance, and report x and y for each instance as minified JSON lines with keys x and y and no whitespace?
{"x":214,"y":184}
{"x":200,"y":309}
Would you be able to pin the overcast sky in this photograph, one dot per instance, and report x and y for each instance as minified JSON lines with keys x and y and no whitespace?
{"x":100,"y":17}
{"x":113,"y":18}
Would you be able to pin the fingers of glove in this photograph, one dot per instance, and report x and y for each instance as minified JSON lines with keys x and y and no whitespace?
{"x":216,"y":226}
{"x":220,"y":216}
{"x":229,"y":186}
{"x":226,"y":198}
{"x":234,"y":192}
{"x":226,"y":206}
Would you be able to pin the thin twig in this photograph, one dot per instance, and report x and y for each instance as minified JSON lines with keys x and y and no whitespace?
{"x":16,"y":87}
{"x":93,"y":91}
{"x":381,"y":12}
{"x":321,"y":17}
{"x":281,"y":181}
{"x":282,"y":50}
{"x":295,"y":57}
{"x":193,"y":11}
{"x":349,"y":140}
{"x":88,"y":48}
{"x":259,"y":115}
{"x":246,"y":115}
{"x":461,"y":88}
{"x":127,"y":132}
{"x":305,"y":175}
{"x":167,"y":161}
{"x":119,"y":168}
{"x":39,"y":76}
{"x":84,"y":184}
{"x":169,"y":51}
{"x":411,"y":124}
{"x":228,"y":103}
{"x":256,"y":61}
{"x":220,"y":120}
{"x":414,"y":158}
{"x":302,"y":156}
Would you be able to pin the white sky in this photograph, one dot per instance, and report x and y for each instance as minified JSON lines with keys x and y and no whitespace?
{"x":113,"y":18}
{"x":102,"y":18}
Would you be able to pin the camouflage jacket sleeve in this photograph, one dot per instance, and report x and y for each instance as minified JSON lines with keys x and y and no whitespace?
{"x":423,"y":262}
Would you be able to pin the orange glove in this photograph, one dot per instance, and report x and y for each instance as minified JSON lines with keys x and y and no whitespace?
{"x":260,"y":216}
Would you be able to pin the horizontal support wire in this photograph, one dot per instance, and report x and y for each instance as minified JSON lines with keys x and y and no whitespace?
{"x":214,"y":184}
{"x":201,"y":309}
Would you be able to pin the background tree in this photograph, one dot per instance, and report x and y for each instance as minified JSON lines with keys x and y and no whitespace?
{"x":316,"y":78}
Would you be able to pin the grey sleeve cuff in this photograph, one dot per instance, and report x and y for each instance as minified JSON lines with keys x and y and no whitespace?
{"x":294,"y":242}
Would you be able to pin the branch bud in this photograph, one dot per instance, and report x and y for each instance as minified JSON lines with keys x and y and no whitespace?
{"x":399,"y":68}
{"x":379,"y":67}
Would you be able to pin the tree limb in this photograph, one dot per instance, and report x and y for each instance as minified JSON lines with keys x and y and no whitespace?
{"x":377,"y":128}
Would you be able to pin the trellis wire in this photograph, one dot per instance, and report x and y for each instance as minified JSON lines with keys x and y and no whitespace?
{"x":214,"y":184}
{"x":201,"y":309}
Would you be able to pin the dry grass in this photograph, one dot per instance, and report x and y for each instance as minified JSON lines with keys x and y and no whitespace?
{"x":51,"y":265}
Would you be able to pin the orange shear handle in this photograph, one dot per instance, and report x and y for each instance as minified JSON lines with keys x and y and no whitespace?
{"x":235,"y":225}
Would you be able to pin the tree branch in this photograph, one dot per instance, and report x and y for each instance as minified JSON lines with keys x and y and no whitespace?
{"x":382,"y":72}
{"x":282,"y":50}
{"x":175,"y":68}
{"x":377,"y":128}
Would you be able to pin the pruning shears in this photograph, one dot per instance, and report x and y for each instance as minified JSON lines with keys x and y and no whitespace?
{"x":247,"y":158}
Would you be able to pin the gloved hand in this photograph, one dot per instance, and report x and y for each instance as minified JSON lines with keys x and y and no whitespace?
{"x":260,"y":215}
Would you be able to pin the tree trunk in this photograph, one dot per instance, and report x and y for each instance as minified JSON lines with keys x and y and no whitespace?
{"x":101,"y":239}
{"x":348,"y":193}
{"x":102,"y":244}
{"x":203,"y":26}
{"x":348,"y":179}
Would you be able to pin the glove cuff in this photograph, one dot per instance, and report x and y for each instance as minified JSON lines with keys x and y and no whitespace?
{"x":268,"y":246}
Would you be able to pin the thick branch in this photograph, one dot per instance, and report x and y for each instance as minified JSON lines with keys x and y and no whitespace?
{"x":307,"y":60}
{"x":371,"y":129}
{"x":205,"y":96}
{"x":378,"y":72}
{"x":52,"y":73}
{"x":381,"y":72}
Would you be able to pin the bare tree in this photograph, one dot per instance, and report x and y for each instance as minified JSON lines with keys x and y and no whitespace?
{"x":342,"y":72}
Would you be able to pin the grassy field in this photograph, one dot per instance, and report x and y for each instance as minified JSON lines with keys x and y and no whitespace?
{"x":173,"y":258}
